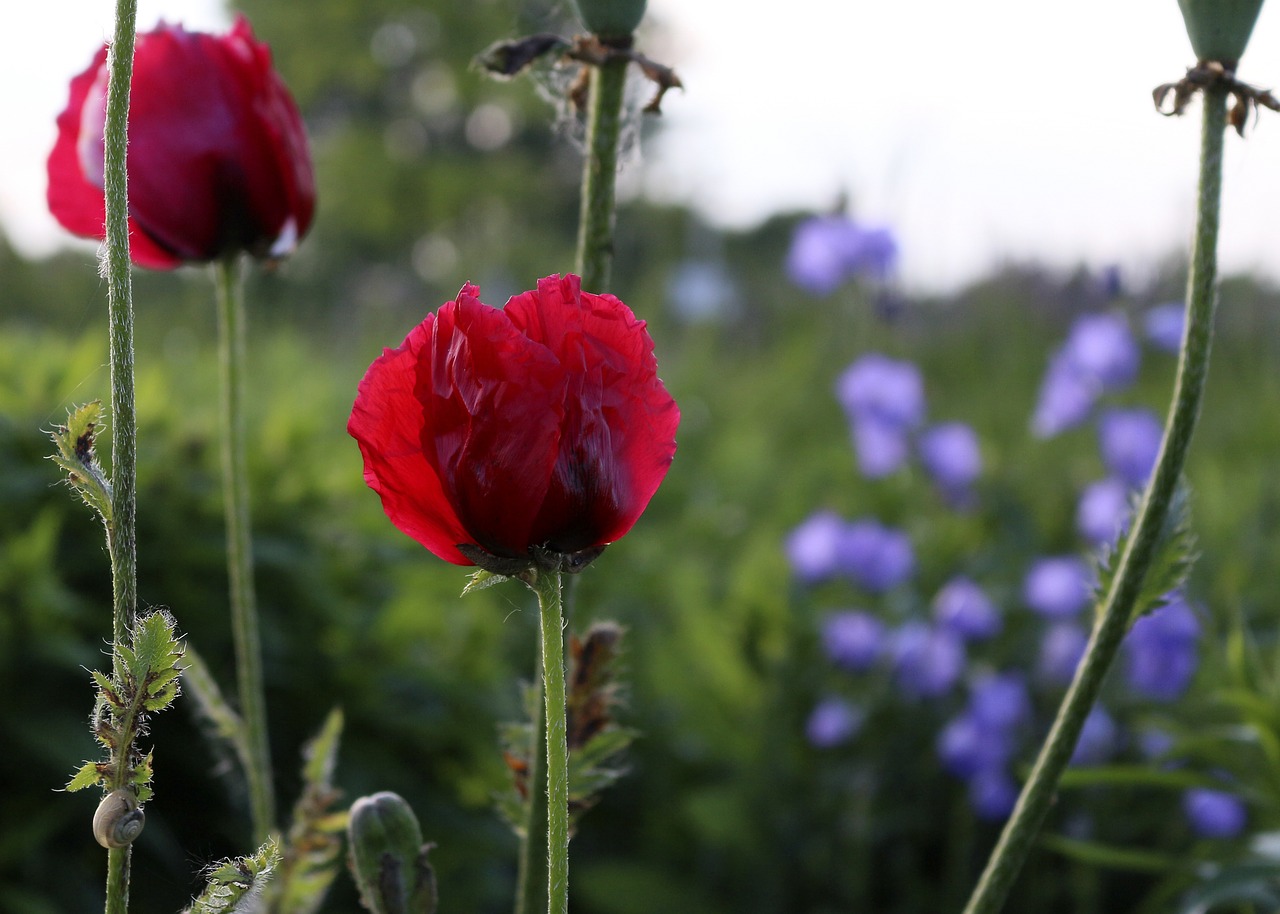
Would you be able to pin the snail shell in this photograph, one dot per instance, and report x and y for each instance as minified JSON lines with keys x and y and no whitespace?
{"x":119,"y":819}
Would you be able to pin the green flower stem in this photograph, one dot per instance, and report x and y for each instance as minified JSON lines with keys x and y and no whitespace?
{"x":121,"y":532}
{"x":599,"y":173}
{"x":547,"y":586}
{"x":531,"y":878}
{"x":235,"y":486}
{"x":1115,"y":615}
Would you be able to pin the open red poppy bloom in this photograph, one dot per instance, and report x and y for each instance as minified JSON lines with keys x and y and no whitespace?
{"x":533,"y":434}
{"x":217,"y":161}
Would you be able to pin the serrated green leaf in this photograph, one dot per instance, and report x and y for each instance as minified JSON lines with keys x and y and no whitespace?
{"x":107,"y":691}
{"x":155,"y":649}
{"x":234,"y":885}
{"x":481,"y":579}
{"x":201,"y":685}
{"x":1174,"y":554}
{"x":87,"y":776}
{"x":140,"y":777}
{"x":311,"y":855}
{"x":76,"y":457}
{"x":321,"y":754}
{"x":604,"y":745}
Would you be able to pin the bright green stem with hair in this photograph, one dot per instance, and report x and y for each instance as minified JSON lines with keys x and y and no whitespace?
{"x":235,"y":490}
{"x":1116,"y":613}
{"x":599,"y":173}
{"x":547,"y":586}
{"x":121,"y":532}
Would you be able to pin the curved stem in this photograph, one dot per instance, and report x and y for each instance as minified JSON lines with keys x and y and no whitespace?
{"x":121,"y":531}
{"x":235,"y":488}
{"x":599,"y":174}
{"x":1115,"y":615}
{"x":547,"y":586}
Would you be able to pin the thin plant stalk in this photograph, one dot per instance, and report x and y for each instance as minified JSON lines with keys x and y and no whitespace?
{"x":550,"y":596}
{"x":593,"y":263}
{"x":599,"y":173}
{"x":1115,"y":615}
{"x":235,"y":487}
{"x":531,"y":876}
{"x":121,"y":531}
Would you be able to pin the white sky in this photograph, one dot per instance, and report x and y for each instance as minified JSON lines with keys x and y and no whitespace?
{"x":981,"y":131}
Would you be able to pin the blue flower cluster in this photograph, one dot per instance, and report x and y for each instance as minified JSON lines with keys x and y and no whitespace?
{"x":828,"y":251}
{"x":960,"y":654}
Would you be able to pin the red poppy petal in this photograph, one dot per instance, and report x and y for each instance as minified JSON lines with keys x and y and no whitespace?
{"x":620,"y":422}
{"x":387,"y":421}
{"x":493,"y":409}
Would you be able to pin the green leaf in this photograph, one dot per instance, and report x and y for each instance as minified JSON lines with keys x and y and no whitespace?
{"x":1130,"y":776}
{"x":76,"y":457}
{"x":201,"y":686}
{"x":311,"y":855}
{"x":234,"y":885}
{"x":87,"y":776}
{"x":1095,"y":853}
{"x":481,"y":579}
{"x":155,"y":652}
{"x":1171,"y":560}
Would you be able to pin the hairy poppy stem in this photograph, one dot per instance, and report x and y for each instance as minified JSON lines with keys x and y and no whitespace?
{"x":1115,"y":615}
{"x":548,"y":587}
{"x":235,"y":492}
{"x":121,"y":531}
{"x":600,"y":172}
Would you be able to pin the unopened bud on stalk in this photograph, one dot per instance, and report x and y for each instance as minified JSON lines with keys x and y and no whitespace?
{"x":1220,"y":29}
{"x":388,"y":858}
{"x":610,"y":19}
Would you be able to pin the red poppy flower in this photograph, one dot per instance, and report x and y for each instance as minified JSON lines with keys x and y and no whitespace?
{"x":529,"y":435}
{"x":217,"y":161}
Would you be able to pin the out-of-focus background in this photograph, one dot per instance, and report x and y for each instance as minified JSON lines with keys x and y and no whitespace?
{"x":1011,"y":152}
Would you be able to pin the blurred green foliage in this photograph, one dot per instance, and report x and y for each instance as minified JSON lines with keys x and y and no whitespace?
{"x":430,"y":176}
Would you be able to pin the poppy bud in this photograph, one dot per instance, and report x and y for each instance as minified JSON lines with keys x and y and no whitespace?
{"x":1220,"y":29}
{"x":610,"y":19}
{"x":218,"y":161}
{"x":388,"y":858}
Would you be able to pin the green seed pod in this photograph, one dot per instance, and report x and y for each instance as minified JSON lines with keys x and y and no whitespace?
{"x":610,"y":19}
{"x":1220,"y":29}
{"x":388,"y":858}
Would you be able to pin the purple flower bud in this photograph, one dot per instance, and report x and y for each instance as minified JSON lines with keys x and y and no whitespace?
{"x":950,"y":454}
{"x":1058,"y":586}
{"x":822,"y":251}
{"x":832,"y":722}
{"x":1000,"y":702}
{"x":1130,"y":442}
{"x":852,"y":639}
{"x":962,"y":607}
{"x":966,"y":747}
{"x":813,"y":548}
{"x":992,"y":794}
{"x":877,"y":254}
{"x":1161,"y":651}
{"x":1097,"y":739}
{"x":1101,"y":350}
{"x":1214,"y":813}
{"x":927,"y":661}
{"x":1060,"y":651}
{"x":876,"y":557}
{"x":882,"y":447}
{"x":1103,"y":511}
{"x":878,"y":387}
{"x":1163,"y":326}
{"x":1066,"y":399}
